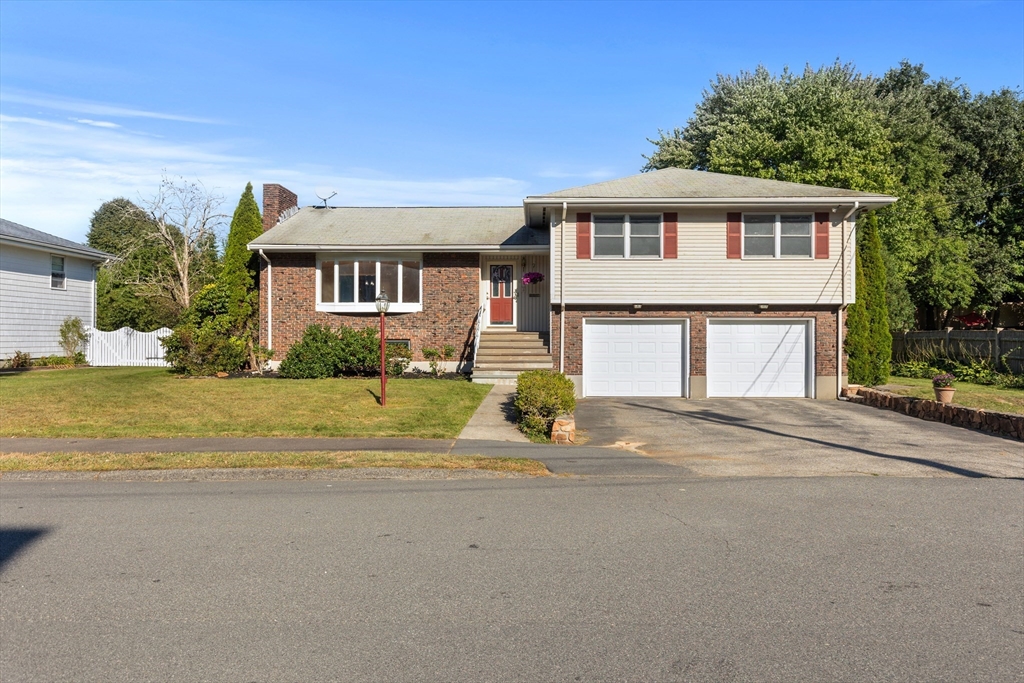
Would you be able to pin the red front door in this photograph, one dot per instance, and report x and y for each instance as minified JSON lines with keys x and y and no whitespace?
{"x":501,"y":295}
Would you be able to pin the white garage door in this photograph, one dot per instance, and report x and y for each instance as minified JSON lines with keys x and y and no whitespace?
{"x":757,"y":359}
{"x":633,"y":358}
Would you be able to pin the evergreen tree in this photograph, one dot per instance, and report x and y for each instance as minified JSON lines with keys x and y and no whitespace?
{"x":868,"y":339}
{"x":874,"y":294}
{"x":238,"y":276}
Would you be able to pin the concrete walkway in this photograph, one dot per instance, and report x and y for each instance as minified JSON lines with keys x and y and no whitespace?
{"x":494,"y":420}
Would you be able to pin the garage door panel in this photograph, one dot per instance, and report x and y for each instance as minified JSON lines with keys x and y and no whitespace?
{"x":757,"y":359}
{"x":633,"y":359}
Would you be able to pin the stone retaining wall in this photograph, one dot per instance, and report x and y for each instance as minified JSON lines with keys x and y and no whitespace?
{"x":1005,"y":424}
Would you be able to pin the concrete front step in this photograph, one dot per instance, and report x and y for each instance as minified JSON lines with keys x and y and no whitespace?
{"x":503,"y":345}
{"x":510,"y":367}
{"x":495,"y":376}
{"x":485,"y":334}
{"x":513,"y":351}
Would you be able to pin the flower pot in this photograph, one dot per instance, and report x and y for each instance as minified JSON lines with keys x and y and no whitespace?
{"x":944,"y":394}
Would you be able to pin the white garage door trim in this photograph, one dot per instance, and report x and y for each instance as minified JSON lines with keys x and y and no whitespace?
{"x":807,"y":357}
{"x":593,"y":325}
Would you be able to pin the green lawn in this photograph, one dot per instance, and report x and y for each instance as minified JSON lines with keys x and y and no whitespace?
{"x":152,"y":402}
{"x":970,"y":395}
{"x":106,"y":462}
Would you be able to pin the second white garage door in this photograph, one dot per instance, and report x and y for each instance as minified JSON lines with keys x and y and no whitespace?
{"x":633,"y":358}
{"x":758,"y":359}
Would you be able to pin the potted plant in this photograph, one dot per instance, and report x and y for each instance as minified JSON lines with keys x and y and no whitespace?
{"x":943,"y":385}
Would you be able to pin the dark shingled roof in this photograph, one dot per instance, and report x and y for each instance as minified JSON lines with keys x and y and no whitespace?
{"x":23,"y":233}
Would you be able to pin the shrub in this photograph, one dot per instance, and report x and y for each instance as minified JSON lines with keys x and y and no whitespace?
{"x":72,"y":336}
{"x":322,"y":353}
{"x":203,"y":349}
{"x":541,"y":396}
{"x":919,"y":369}
{"x":60,"y":361}
{"x":20,"y":359}
{"x":437,"y":357}
{"x":315,"y":356}
{"x":398,"y":358}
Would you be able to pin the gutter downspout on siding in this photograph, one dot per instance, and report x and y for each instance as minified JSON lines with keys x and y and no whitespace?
{"x":842,"y":306}
{"x":270,"y":301}
{"x":561,"y":291}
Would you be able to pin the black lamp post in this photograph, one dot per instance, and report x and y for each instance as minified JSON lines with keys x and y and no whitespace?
{"x":383,"y":303}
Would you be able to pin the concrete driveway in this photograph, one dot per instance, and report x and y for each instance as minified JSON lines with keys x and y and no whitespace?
{"x":792,"y":437}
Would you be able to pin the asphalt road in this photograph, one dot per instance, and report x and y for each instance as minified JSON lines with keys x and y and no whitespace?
{"x":645,"y":578}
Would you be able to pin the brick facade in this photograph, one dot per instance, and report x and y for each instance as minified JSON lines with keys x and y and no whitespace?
{"x":451,"y":297}
{"x":824,"y":331}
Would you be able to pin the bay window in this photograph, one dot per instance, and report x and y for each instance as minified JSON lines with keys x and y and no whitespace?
{"x":352,"y":284}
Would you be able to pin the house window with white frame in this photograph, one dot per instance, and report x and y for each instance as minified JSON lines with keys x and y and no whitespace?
{"x":353,"y":284}
{"x":627,"y":236}
{"x":58,"y":280}
{"x":778,"y":235}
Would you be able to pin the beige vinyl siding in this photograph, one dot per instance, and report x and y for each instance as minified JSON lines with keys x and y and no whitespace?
{"x":532,"y":306}
{"x":701,"y":274}
{"x":31,"y":312}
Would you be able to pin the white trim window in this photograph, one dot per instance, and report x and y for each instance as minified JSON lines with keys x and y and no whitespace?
{"x":627,"y":236}
{"x":58,"y":277}
{"x":351,"y":283}
{"x":778,"y":235}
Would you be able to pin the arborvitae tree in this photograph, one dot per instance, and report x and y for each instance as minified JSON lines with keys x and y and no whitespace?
{"x":238,"y":277}
{"x":868,"y":340}
{"x":875,"y":298}
{"x":857,"y":333}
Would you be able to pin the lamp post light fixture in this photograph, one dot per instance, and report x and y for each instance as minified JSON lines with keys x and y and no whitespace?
{"x":383,"y":303}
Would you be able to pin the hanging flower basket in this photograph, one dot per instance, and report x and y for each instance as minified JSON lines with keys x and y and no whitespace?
{"x":533,"y":278}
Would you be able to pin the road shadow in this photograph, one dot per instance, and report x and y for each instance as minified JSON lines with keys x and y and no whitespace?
{"x":13,"y":540}
{"x":742,"y":423}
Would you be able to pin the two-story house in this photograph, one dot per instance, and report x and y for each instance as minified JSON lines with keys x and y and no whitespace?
{"x":669,"y":283}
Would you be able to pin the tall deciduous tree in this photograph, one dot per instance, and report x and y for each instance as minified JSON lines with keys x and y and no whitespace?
{"x":121,"y":228}
{"x":185,"y":218}
{"x":956,"y":161}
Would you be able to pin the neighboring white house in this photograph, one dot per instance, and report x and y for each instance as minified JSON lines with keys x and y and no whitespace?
{"x":43,"y":280}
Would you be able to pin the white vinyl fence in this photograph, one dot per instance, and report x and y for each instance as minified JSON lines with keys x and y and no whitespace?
{"x":126,"y":347}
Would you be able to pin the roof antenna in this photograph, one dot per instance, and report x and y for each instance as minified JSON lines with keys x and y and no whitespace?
{"x":324,"y":199}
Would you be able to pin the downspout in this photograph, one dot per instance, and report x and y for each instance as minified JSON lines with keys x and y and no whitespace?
{"x":270,"y":301}
{"x":561,"y":291}
{"x":842,"y":305}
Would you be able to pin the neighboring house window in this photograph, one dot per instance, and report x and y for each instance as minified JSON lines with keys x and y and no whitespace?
{"x":353,"y":284}
{"x":777,"y":235}
{"x":627,"y":236}
{"x":57,"y":279}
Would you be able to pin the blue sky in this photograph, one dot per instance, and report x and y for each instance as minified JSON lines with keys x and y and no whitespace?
{"x":411,"y":103}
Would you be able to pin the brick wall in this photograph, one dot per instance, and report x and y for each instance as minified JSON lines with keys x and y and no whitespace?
{"x":451,"y":296}
{"x":824,"y":327}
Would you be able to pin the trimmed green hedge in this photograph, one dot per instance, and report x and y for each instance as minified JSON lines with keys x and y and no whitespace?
{"x":541,"y":396}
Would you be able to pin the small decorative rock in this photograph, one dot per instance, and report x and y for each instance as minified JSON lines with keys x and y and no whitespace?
{"x":564,"y":429}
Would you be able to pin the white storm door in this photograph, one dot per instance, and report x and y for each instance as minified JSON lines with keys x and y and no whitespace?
{"x":757,"y":359}
{"x":633,"y":358}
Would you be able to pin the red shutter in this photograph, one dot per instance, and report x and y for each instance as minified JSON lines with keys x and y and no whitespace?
{"x":821,"y":225}
{"x":583,"y":235}
{"x":733,"y":235}
{"x":670,"y":237}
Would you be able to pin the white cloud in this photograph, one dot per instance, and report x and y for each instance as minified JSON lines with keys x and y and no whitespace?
{"x":94,"y":108}
{"x":98,"y":124}
{"x":54,"y":174}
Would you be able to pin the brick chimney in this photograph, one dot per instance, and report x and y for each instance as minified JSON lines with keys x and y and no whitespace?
{"x":276,"y":200}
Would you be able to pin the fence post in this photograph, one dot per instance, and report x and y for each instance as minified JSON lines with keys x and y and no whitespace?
{"x":996,"y":347}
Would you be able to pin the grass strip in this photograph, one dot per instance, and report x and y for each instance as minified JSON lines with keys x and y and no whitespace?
{"x":105,"y":462}
{"x":971,"y":395}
